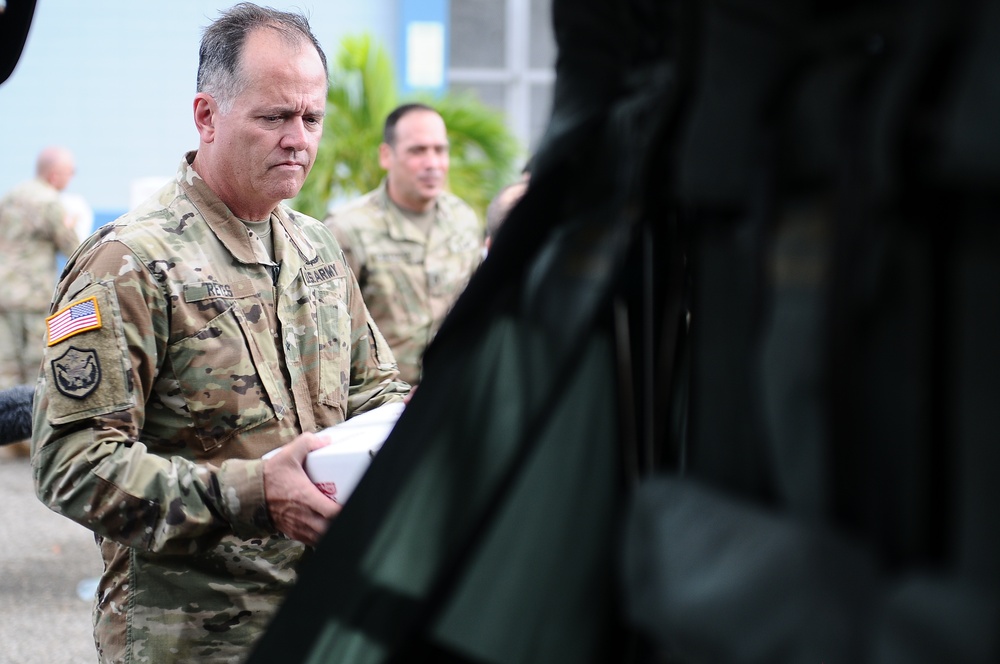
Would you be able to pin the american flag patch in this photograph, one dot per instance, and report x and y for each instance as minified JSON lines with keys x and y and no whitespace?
{"x":78,"y":317}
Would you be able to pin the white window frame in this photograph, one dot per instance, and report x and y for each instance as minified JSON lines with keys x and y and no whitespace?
{"x":517,"y":76}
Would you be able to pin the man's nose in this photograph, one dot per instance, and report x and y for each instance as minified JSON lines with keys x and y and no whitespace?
{"x":436,"y":160}
{"x":295,"y":135}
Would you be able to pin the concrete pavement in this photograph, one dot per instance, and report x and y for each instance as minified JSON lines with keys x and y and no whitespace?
{"x":44,"y":557}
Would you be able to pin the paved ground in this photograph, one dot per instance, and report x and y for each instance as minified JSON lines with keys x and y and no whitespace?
{"x":43,"y":559}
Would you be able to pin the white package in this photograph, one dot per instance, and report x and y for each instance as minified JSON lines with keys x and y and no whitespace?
{"x":337,"y":468}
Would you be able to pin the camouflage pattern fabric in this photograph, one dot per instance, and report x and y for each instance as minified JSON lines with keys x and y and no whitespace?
{"x":32,"y":231}
{"x":409,"y":280}
{"x":175,"y":361}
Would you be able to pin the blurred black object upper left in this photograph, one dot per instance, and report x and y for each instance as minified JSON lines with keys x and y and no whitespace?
{"x":15,"y":413}
{"x":15,"y":19}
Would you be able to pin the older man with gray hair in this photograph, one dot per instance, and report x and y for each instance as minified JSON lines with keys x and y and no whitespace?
{"x":204,"y":329}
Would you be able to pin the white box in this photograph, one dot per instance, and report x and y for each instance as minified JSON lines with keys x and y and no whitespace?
{"x":337,"y":468}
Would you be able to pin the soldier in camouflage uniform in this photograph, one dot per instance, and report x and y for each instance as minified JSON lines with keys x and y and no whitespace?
{"x":412,"y":245}
{"x":205,"y":328}
{"x":34,"y":227}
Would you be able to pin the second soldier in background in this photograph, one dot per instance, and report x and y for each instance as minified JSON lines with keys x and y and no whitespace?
{"x":412,"y":245}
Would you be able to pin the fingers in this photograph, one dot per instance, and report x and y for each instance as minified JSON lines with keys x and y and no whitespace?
{"x":308,"y":526}
{"x":297,"y":508}
{"x":302,"y":514}
{"x":315,"y":442}
{"x":299,"y":448}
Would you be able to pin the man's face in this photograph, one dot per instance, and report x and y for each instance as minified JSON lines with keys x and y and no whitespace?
{"x":417,"y":165}
{"x":260,"y":152}
{"x":62,"y":173}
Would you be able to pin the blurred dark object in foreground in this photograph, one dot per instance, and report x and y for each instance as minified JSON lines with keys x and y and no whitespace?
{"x":15,"y":20}
{"x":15,"y":413}
{"x":726,"y":387}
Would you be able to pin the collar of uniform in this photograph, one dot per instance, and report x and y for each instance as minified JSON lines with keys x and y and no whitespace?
{"x":230,"y":230}
{"x":398,"y":226}
{"x":286,"y":219}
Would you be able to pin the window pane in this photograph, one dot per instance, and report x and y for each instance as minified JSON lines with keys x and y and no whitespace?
{"x":477,"y":34}
{"x":491,"y":94}
{"x":541,"y":109}
{"x":543,"y":45}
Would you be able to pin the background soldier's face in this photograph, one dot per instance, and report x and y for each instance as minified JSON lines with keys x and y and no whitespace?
{"x":417,"y":165}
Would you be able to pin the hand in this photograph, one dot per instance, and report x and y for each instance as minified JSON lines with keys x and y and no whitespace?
{"x":298,"y":509}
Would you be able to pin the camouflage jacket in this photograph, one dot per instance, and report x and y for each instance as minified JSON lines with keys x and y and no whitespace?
{"x":32,"y":230}
{"x":177,"y":357}
{"x":409,"y":280}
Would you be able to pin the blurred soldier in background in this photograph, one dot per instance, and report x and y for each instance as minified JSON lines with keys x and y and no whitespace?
{"x":411,"y":244}
{"x":34,"y":227}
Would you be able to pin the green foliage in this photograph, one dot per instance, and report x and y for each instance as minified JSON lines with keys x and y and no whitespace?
{"x":483,"y":152}
{"x":362,"y":93}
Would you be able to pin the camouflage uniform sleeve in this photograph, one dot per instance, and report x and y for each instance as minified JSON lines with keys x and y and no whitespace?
{"x":89,"y":462}
{"x":374,"y":374}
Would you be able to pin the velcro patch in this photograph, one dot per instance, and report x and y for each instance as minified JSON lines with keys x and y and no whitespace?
{"x":88,"y":375}
{"x":321,"y":274}
{"x":211,"y":290}
{"x":78,"y":317}
{"x":77,"y":372}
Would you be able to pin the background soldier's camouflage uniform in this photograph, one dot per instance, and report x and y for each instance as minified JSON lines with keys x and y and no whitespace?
{"x":32,"y":231}
{"x":409,"y":280}
{"x":149,"y":429}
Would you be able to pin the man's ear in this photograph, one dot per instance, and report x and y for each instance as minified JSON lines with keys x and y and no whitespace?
{"x":384,"y":155}
{"x":205,"y":113}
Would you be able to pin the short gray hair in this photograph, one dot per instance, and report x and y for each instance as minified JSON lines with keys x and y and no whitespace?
{"x":220,"y":55}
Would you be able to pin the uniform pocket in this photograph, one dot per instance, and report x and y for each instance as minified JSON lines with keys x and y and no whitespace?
{"x":333,"y":320}
{"x":218,"y":378}
{"x":395,"y":292}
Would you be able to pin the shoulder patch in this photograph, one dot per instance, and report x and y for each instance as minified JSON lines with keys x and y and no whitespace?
{"x":75,"y":318}
{"x":90,"y":374}
{"x":77,"y":372}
